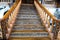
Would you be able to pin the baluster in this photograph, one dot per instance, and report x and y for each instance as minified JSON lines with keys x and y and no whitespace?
{"x":1,"y":30}
{"x":48,"y":22}
{"x":54,"y":30}
{"x":45,"y":18}
{"x":51,"y":23}
{"x":50,"y":28}
{"x":4,"y":28}
{"x":57,"y":29}
{"x":58,"y":38}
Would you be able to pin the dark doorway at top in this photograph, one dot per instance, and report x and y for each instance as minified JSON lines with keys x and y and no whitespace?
{"x":28,"y":1}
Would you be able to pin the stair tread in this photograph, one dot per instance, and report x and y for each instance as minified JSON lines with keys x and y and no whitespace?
{"x":28,"y":22}
{"x":28,"y":16}
{"x":32,"y":13}
{"x":31,"y":38}
{"x":21,"y":28}
{"x":28,"y":25}
{"x":29,"y":34}
{"x":28,"y":29}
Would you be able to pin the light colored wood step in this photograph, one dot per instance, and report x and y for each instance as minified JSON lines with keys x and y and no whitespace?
{"x":28,"y":16}
{"x":29,"y":31}
{"x":28,"y":13}
{"x":28,"y":22}
{"x":29,"y":8}
{"x":31,"y":38}
{"x":30,"y":28}
{"x":37,"y":25}
{"x":29,"y":34}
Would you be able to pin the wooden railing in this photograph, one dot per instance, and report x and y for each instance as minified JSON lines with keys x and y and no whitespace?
{"x":8,"y":19}
{"x":50,"y":22}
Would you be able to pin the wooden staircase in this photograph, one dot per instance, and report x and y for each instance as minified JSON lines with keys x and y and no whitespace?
{"x":28,"y":25}
{"x":29,"y":22}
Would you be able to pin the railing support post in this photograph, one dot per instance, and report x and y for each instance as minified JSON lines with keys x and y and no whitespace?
{"x":4,"y":29}
{"x":56,"y":30}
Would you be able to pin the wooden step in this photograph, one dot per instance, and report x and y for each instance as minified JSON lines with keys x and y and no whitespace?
{"x":29,"y":25}
{"x":28,"y":8}
{"x":31,"y":38}
{"x":27,"y":5}
{"x":31,"y":16}
{"x":37,"y":25}
{"x":28,"y":17}
{"x":27,"y":22}
{"x":28,"y":28}
{"x":29,"y":34}
{"x":28,"y":13}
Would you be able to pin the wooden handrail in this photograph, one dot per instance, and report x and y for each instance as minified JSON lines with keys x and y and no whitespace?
{"x":46,"y":17}
{"x":13,"y":18}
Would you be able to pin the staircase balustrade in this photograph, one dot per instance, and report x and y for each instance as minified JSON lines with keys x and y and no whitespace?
{"x":50,"y":22}
{"x":8,"y":19}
